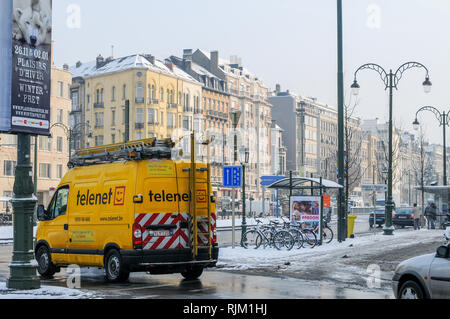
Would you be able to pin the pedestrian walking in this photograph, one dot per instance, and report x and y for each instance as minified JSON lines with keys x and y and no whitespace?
{"x":430,"y":215}
{"x":417,"y":214}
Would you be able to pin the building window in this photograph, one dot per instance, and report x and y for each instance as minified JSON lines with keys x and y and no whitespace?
{"x":99,"y":140}
{"x":153,"y":93}
{"x":171,"y":120}
{"x":45,"y":143}
{"x":60,"y":89}
{"x":45,"y":170}
{"x":59,"y":144}
{"x":124,"y":92}
{"x":139,"y":91}
{"x":161,"y":95}
{"x":60,"y":116}
{"x":113,"y":94}
{"x":152,"y":116}
{"x":99,"y":120}
{"x":59,"y":171}
{"x":9,"y":168}
{"x":140,"y":116}
{"x":113,"y":117}
{"x":75,"y":101}
{"x":88,"y":97}
{"x":113,"y":138}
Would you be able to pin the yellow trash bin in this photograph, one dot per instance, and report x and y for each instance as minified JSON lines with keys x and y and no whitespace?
{"x":351,"y":225}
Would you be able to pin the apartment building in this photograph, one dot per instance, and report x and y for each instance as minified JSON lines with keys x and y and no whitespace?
{"x":161,"y":97}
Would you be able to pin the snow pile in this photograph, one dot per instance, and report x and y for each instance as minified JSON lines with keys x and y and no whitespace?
{"x":45,"y":292}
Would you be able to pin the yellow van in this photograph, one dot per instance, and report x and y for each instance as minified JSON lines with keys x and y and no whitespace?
{"x":130,"y":207}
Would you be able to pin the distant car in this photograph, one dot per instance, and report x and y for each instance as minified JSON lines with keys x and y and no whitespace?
{"x":424,"y":277}
{"x":380,"y":217}
{"x":403,"y":217}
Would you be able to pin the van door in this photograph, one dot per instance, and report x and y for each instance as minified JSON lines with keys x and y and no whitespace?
{"x":57,"y":225}
{"x":158,"y":214}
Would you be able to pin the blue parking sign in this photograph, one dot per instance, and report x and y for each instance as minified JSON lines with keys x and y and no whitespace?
{"x":232,"y":176}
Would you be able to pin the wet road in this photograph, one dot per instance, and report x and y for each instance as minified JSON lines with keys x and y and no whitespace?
{"x":213,"y":284}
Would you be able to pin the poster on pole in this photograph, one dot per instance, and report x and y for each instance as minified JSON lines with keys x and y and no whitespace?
{"x":305,"y":210}
{"x":31,"y":66}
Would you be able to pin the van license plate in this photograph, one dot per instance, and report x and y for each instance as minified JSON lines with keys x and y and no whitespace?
{"x":160,"y":233}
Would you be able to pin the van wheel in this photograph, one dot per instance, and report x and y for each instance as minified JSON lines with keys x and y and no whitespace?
{"x":45,"y":266}
{"x":114,"y":267}
{"x":192,"y":272}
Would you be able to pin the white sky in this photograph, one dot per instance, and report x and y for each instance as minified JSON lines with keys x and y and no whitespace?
{"x":291,"y":42}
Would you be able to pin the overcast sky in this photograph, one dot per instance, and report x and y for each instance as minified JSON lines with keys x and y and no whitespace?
{"x":290,"y":42}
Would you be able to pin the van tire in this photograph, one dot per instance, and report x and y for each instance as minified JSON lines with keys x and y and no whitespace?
{"x":45,"y":268}
{"x":114,"y":268}
{"x":192,"y":272}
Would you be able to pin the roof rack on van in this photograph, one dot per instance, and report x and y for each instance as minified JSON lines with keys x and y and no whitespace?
{"x":150,"y":148}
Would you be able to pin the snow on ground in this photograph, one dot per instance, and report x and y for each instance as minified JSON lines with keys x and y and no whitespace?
{"x":45,"y":292}
{"x":343,"y":262}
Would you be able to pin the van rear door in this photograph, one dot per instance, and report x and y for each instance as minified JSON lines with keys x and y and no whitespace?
{"x":158,"y":214}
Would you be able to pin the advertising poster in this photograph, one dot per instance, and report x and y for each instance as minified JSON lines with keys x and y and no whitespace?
{"x":31,"y":66}
{"x":305,"y":210}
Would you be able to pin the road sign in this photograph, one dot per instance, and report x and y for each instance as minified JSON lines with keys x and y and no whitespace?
{"x":269,"y":180}
{"x":232,"y":176}
{"x":374,"y":188}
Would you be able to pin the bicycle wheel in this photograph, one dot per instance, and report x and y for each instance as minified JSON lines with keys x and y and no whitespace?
{"x":327,"y":234}
{"x":298,"y":237}
{"x":310,"y":237}
{"x":250,"y":239}
{"x":283,"y":240}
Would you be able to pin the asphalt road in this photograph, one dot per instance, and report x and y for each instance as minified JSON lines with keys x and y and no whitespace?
{"x":214,"y":284}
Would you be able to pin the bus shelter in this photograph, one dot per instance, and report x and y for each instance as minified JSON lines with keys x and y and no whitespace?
{"x":441,"y":199}
{"x":309,"y":185}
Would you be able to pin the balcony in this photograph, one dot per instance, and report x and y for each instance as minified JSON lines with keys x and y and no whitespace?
{"x":152,"y":123}
{"x":172,"y":105}
{"x":99,"y":105}
{"x":139,"y":126}
{"x":153,"y":101}
{"x":140,"y":100}
{"x":188,"y":109}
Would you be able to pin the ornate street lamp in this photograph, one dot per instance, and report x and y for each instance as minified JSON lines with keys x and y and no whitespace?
{"x":244,"y":162}
{"x":391,"y":81}
{"x":444,"y":119}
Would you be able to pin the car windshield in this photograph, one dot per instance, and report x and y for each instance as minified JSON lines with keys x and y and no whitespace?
{"x":404,"y":211}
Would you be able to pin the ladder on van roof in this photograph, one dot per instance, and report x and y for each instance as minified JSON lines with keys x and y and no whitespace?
{"x":150,"y":148}
{"x":194,"y":210}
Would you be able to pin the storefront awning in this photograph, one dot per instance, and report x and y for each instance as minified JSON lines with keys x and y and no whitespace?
{"x":299,"y":183}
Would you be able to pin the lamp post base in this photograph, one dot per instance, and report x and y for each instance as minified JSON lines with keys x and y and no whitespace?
{"x":388,"y":230}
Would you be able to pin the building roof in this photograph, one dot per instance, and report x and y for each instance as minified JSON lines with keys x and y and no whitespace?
{"x":136,"y":61}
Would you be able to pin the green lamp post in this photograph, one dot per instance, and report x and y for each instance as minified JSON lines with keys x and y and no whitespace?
{"x":391,"y":81}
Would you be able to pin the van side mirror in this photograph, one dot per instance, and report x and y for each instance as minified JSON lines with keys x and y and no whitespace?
{"x":41,"y":213}
{"x":442,"y":252}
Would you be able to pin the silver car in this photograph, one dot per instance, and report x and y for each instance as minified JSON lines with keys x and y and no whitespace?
{"x":424,"y":277}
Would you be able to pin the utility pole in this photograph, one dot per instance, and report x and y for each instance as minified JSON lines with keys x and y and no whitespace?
{"x":341,"y":201}
{"x":127,"y":121}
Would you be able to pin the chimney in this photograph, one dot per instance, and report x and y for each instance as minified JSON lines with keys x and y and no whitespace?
{"x":150,"y":58}
{"x":65,"y":67}
{"x":277,"y":89}
{"x":187,"y":66}
{"x":187,"y":54}
{"x":214,"y":60}
{"x":100,"y":61}
{"x":169,"y":64}
{"x":78,"y":64}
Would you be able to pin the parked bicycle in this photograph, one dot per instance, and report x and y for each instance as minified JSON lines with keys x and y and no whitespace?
{"x":268,"y":236}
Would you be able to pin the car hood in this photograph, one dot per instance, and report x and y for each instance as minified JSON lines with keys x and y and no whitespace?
{"x":420,"y":264}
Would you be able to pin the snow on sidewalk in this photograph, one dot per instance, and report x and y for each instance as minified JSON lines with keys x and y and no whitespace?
{"x":244,"y":259}
{"x":45,"y":292}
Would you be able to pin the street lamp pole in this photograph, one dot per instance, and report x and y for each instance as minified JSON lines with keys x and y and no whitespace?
{"x":391,"y":81}
{"x":444,"y":119}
